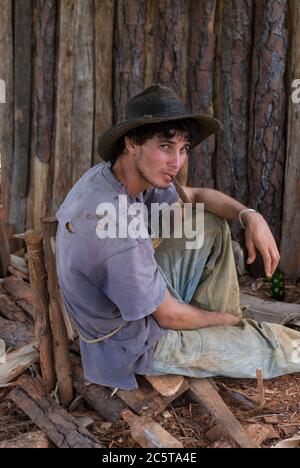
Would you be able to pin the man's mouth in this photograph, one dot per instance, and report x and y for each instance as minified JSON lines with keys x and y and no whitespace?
{"x":168,"y":177}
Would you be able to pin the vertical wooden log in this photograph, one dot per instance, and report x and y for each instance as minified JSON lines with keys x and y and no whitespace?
{"x":83,"y":101}
{"x":290,"y":242}
{"x":129,"y":63}
{"x":6,"y":109}
{"x":150,"y":58}
{"x":200,"y":82}
{"x":22,"y":93}
{"x":168,"y":50}
{"x":60,"y":340}
{"x":44,"y":55}
{"x":232,"y":103}
{"x":267,"y":111}
{"x":38,"y":282}
{"x":4,"y":249}
{"x":104,"y":27}
{"x":74,"y":132}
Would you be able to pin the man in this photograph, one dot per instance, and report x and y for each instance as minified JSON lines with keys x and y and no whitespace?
{"x":173,"y":310}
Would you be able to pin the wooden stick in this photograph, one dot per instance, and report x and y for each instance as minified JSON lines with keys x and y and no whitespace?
{"x":61,"y":351}
{"x":261,"y":388}
{"x":41,"y":303}
{"x":62,"y":428}
{"x":204,"y":392}
{"x":36,"y":439}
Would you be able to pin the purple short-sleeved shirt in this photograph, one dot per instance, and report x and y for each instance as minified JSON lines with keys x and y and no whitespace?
{"x":109,"y":282}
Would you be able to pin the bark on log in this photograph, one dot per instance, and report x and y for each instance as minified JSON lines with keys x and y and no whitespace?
{"x":129,"y":53}
{"x":75,"y":98}
{"x":290,"y":243}
{"x":267,"y":111}
{"x":22,"y":93}
{"x":6,"y":110}
{"x":37,"y":440}
{"x":82,"y":146}
{"x":16,"y":362}
{"x":38,"y":284}
{"x":44,"y":56}
{"x":20,"y":292}
{"x":110,"y":408}
{"x":64,"y":102}
{"x":16,"y":334}
{"x":62,"y":428}
{"x":60,"y":340}
{"x":12,"y":311}
{"x":232,"y":103}
{"x":104,"y":27}
{"x":201,"y":60}
{"x":4,"y":251}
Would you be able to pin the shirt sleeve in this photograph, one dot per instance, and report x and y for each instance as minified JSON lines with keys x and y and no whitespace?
{"x":133,"y":282}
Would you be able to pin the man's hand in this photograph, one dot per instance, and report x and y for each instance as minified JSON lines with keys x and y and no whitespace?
{"x":259,"y":236}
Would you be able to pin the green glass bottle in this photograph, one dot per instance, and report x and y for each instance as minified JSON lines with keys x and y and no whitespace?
{"x":278,"y":285}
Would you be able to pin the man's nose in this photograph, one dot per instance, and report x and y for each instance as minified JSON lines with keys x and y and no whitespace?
{"x":176,"y":160}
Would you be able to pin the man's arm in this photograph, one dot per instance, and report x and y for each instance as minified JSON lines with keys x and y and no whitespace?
{"x":257,"y":235}
{"x":177,"y":316}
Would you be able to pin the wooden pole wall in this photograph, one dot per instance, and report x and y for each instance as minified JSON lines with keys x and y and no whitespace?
{"x":6,"y":109}
{"x":22,"y":109}
{"x":223,"y":57}
{"x":290,"y":242}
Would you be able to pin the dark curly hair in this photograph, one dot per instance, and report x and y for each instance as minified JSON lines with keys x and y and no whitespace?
{"x":164,"y":129}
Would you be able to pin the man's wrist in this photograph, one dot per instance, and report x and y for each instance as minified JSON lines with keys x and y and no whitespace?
{"x":244,"y":215}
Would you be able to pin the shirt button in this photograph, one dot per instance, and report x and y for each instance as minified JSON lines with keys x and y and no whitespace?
{"x":146,"y":343}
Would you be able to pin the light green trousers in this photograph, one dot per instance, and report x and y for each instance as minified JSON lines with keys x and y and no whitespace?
{"x":207,"y":278}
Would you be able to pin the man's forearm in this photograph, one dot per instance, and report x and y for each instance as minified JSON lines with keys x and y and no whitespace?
{"x":179,"y":316}
{"x":218,"y":203}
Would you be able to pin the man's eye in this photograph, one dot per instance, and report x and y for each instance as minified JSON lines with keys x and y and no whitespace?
{"x":165,"y":146}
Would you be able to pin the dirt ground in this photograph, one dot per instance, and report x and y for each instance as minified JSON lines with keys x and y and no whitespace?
{"x":276,"y":420}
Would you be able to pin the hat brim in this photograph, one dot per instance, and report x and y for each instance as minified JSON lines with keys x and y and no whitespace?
{"x":106,"y":144}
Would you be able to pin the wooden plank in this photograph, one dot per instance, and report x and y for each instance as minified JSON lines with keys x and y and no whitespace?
{"x":22,"y":93}
{"x":205,"y":393}
{"x":29,"y":440}
{"x":145,"y":400}
{"x":6,"y":110}
{"x":60,"y":339}
{"x":266,"y":151}
{"x":165,"y":385}
{"x":233,"y":79}
{"x":62,"y":428}
{"x":16,"y":362}
{"x":104,"y":27}
{"x":290,"y":242}
{"x":44,"y":57}
{"x":201,"y":57}
{"x":38,"y":283}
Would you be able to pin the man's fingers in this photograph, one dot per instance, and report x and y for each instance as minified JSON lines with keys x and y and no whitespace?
{"x":275,"y":258}
{"x":251,"y":252}
{"x":267,"y":263}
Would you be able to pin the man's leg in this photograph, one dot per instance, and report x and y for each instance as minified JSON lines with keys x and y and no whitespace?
{"x":207,"y":278}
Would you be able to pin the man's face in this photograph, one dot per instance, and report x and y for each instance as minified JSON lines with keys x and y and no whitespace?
{"x":161,"y":158}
